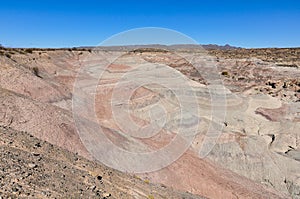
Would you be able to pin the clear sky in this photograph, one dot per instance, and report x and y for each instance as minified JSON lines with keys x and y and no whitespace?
{"x":245,"y":23}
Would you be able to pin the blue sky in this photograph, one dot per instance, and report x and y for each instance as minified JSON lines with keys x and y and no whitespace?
{"x":245,"y":23}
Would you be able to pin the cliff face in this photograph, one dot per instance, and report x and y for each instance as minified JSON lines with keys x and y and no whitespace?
{"x":256,"y":156}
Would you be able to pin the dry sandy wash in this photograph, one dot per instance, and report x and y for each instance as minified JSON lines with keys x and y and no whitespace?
{"x":257,"y":155}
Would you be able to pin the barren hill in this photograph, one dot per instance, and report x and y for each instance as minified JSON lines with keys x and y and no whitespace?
{"x":256,"y":156}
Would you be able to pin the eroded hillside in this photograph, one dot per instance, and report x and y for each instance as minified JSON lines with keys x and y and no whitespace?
{"x":256,"y":156}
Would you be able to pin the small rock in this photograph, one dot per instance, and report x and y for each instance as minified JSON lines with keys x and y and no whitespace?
{"x":15,"y":189}
{"x":38,"y":145}
{"x":32,"y":166}
{"x":93,"y":187}
{"x":106,"y":195}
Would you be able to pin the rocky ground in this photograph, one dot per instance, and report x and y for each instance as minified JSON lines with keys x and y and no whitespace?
{"x":256,"y":156}
{"x":32,"y":168}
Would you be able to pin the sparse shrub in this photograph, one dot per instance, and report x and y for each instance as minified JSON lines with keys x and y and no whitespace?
{"x":137,"y":177}
{"x":28,"y":50}
{"x":225,"y":73}
{"x":36,"y":72}
{"x":8,"y":55}
{"x":150,"y":197}
{"x":241,"y":78}
{"x":272,"y":84}
{"x":20,"y":51}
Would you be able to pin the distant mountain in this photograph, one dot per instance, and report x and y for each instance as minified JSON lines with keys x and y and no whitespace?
{"x":170,"y":47}
{"x":205,"y":46}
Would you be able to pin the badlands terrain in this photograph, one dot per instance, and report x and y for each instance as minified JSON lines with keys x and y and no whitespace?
{"x":45,"y":154}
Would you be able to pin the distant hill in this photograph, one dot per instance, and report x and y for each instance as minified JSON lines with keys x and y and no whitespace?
{"x":170,"y":47}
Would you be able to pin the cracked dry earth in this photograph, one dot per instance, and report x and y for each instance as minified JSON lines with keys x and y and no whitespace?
{"x":256,"y":156}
